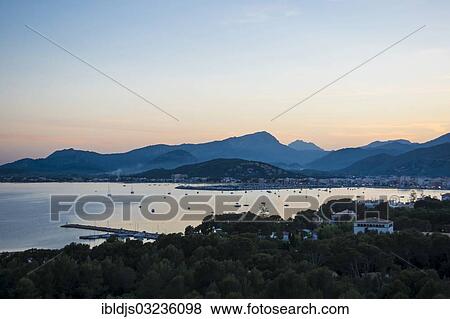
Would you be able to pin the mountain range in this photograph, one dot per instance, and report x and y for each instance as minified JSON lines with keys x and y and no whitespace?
{"x":260,"y":146}
{"x":376,"y":158}
{"x":431,"y":161}
{"x":340,"y":159}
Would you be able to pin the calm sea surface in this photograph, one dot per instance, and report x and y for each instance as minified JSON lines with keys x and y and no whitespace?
{"x":25,"y":209}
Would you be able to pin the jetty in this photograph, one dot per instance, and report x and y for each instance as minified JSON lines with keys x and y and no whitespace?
{"x":112,"y":232}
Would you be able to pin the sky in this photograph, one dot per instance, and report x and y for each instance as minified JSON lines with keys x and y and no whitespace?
{"x":223,"y":68}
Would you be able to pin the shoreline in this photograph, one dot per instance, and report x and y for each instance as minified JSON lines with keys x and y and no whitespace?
{"x":234,"y":187}
{"x":253,"y":187}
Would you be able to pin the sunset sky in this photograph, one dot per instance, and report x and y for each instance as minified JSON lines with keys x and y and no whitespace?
{"x":223,"y":68}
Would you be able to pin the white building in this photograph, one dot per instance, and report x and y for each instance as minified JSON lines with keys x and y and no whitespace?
{"x":373,"y":225}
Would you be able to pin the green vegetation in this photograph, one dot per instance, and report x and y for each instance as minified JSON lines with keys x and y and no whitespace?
{"x":225,"y":259}
{"x":344,"y":266}
{"x":220,"y":168}
{"x":428,"y":215}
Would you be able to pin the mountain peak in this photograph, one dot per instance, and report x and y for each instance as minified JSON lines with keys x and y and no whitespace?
{"x":387,"y":143}
{"x":63,"y":152}
{"x":301,"y":145}
{"x":261,"y":136}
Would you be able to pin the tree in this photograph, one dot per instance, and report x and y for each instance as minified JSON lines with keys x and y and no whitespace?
{"x":26,"y":289}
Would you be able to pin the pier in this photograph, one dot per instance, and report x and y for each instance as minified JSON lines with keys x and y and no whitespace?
{"x":112,"y":232}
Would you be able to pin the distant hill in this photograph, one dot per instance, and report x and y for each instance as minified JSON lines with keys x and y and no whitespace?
{"x":173,"y":159}
{"x":430,"y":161}
{"x":340,"y":159}
{"x":81,"y":163}
{"x":63,"y":162}
{"x":440,"y":140}
{"x":220,"y":168}
{"x":394,"y":145}
{"x":301,"y":145}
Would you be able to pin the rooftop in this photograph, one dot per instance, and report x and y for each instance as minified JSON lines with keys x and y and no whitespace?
{"x":374,"y":220}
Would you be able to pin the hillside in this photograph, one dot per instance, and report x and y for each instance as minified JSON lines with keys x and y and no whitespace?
{"x":431,"y":161}
{"x":301,"y":145}
{"x":393,"y":145}
{"x":220,"y":168}
{"x":440,"y":140}
{"x":173,"y":159}
{"x":340,"y":159}
{"x":343,"y":158}
{"x":260,"y":146}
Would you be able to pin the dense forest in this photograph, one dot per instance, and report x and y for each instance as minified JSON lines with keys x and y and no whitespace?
{"x":241,"y":261}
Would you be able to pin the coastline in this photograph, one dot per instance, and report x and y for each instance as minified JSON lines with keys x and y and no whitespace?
{"x":217,"y":186}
